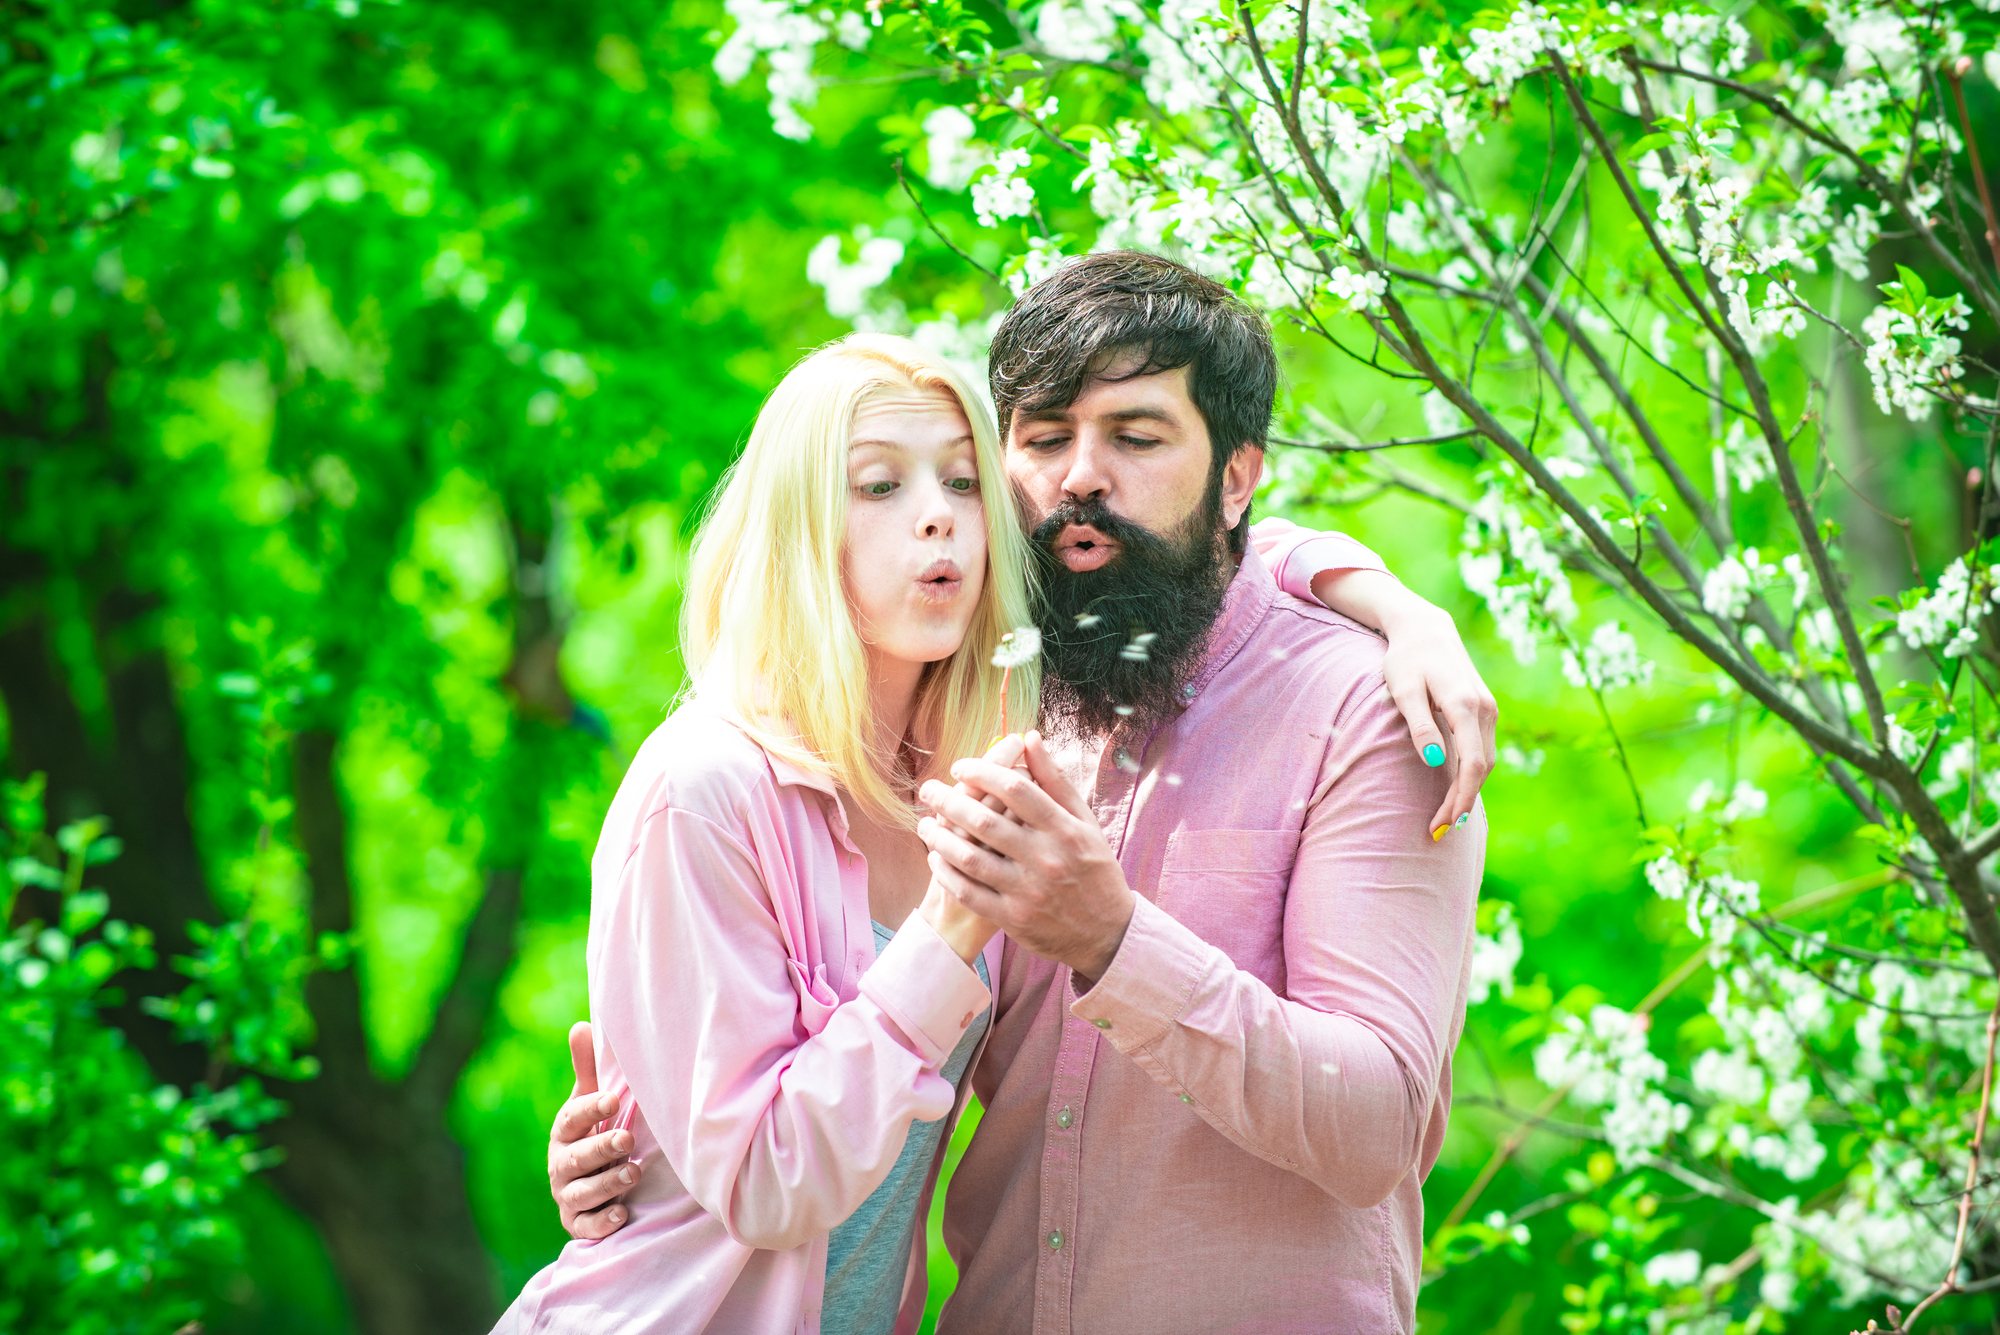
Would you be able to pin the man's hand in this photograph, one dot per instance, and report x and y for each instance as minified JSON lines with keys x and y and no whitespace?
{"x":1040,"y":868}
{"x":1428,"y":674}
{"x":588,"y":1173}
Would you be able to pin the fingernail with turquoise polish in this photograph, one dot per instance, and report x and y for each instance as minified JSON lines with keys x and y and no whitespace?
{"x":1434,"y":755}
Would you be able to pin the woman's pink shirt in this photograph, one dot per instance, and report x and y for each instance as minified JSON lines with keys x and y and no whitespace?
{"x":776,"y":1062}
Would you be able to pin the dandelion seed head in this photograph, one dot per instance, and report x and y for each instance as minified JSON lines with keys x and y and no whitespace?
{"x":1018,"y":648}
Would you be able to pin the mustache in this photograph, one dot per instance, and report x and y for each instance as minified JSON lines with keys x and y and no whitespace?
{"x":1089,"y":512}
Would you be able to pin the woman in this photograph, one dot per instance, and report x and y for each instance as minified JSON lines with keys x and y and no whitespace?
{"x":779,"y":995}
{"x":784,"y":1006}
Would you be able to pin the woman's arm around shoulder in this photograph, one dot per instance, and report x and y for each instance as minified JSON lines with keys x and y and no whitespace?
{"x":1427,"y":670}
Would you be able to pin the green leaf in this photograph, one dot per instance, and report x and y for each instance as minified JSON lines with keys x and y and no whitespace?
{"x":240,"y":685}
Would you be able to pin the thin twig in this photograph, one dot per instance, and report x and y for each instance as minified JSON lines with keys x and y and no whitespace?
{"x":1950,"y":1284}
{"x":1369,"y":446}
{"x":1951,"y":75}
{"x":937,"y":231}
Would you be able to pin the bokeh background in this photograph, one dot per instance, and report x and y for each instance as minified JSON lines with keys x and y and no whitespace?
{"x":366,"y":366}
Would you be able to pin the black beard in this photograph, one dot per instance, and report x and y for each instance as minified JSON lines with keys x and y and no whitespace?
{"x":1096,"y":672}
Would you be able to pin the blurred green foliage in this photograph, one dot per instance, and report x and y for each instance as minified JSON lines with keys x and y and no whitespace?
{"x":114,"y":1189}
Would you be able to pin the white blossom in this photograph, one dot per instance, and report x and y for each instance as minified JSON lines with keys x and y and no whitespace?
{"x":1910,"y":356}
{"x":1726,"y":589}
{"x":848,"y":285}
{"x":1357,"y":291}
{"x":786,"y":37}
{"x":1494,"y":958}
{"x":1611,"y":660}
{"x":1003,"y":193}
{"x":1951,"y":615}
{"x":1612,"y":1068}
{"x":1672,"y":1270}
{"x":951,"y":153}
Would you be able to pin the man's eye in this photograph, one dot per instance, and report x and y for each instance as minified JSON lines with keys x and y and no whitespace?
{"x":1048,"y":442}
{"x":1138,"y":442}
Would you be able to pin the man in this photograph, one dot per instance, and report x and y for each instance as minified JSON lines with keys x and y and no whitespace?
{"x":1238,"y":931}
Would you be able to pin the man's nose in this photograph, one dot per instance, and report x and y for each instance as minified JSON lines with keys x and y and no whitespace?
{"x":1088,"y":476}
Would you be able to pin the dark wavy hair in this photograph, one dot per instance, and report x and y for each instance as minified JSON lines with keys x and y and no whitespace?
{"x":1125,"y":304}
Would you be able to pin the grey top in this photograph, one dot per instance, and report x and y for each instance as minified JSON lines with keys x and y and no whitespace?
{"x":868,"y":1255}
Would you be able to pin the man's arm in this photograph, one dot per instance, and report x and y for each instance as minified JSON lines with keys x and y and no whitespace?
{"x":1338,"y":1078}
{"x":1429,"y":673}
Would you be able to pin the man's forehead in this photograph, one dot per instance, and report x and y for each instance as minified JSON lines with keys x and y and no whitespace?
{"x":1114,"y":391}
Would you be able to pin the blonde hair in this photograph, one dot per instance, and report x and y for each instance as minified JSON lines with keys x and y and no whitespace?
{"x":766,"y":625}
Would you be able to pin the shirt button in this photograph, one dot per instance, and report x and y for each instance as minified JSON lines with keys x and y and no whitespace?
{"x":966,"y":1023}
{"x":1063,"y":1118}
{"x":1186,"y":1099}
{"x":1102,"y":1024}
{"x":1055,"y":1241}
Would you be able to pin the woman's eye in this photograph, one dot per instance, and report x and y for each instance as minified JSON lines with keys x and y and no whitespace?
{"x":877,"y":488}
{"x":963,"y":484}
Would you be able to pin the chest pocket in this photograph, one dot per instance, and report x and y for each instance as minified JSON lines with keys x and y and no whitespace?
{"x":1228,"y":887}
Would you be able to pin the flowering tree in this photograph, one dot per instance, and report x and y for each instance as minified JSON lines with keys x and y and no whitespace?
{"x":1629,"y":374}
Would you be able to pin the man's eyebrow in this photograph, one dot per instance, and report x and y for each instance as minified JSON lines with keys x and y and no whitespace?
{"x":1139,"y":414}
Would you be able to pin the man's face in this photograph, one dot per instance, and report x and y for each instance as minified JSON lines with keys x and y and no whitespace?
{"x":1128,"y":529}
{"x":1137,"y":446}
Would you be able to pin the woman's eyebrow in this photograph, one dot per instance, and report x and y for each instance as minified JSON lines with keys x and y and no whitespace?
{"x":965,"y":439}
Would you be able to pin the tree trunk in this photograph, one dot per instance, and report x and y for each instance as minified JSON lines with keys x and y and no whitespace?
{"x":370,"y":1161}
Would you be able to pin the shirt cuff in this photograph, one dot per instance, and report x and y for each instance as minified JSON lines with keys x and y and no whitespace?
{"x":922,"y":984}
{"x":1327,"y":551}
{"x":1141,"y":996}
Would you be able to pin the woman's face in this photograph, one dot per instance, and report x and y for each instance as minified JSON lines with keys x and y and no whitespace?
{"x":915,"y":562}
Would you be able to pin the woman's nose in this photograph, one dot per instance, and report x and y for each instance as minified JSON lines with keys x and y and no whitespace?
{"x":936,"y":518}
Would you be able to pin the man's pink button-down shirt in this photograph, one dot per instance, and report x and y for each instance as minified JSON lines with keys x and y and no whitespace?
{"x":1230,"y":1130}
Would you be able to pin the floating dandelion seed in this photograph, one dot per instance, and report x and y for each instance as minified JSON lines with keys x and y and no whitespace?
{"x":1085,"y":620}
{"x":1018,"y":648}
{"x":1122,"y":711}
{"x":1139,"y":648}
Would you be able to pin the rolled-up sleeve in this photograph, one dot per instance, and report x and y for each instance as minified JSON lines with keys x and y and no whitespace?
{"x":1296,"y":555}
{"x":778,"y":1132}
{"x":1338,"y":1077}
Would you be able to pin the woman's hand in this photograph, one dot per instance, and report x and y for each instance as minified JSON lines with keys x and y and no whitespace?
{"x":1429,"y":674}
{"x":962,"y":929}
